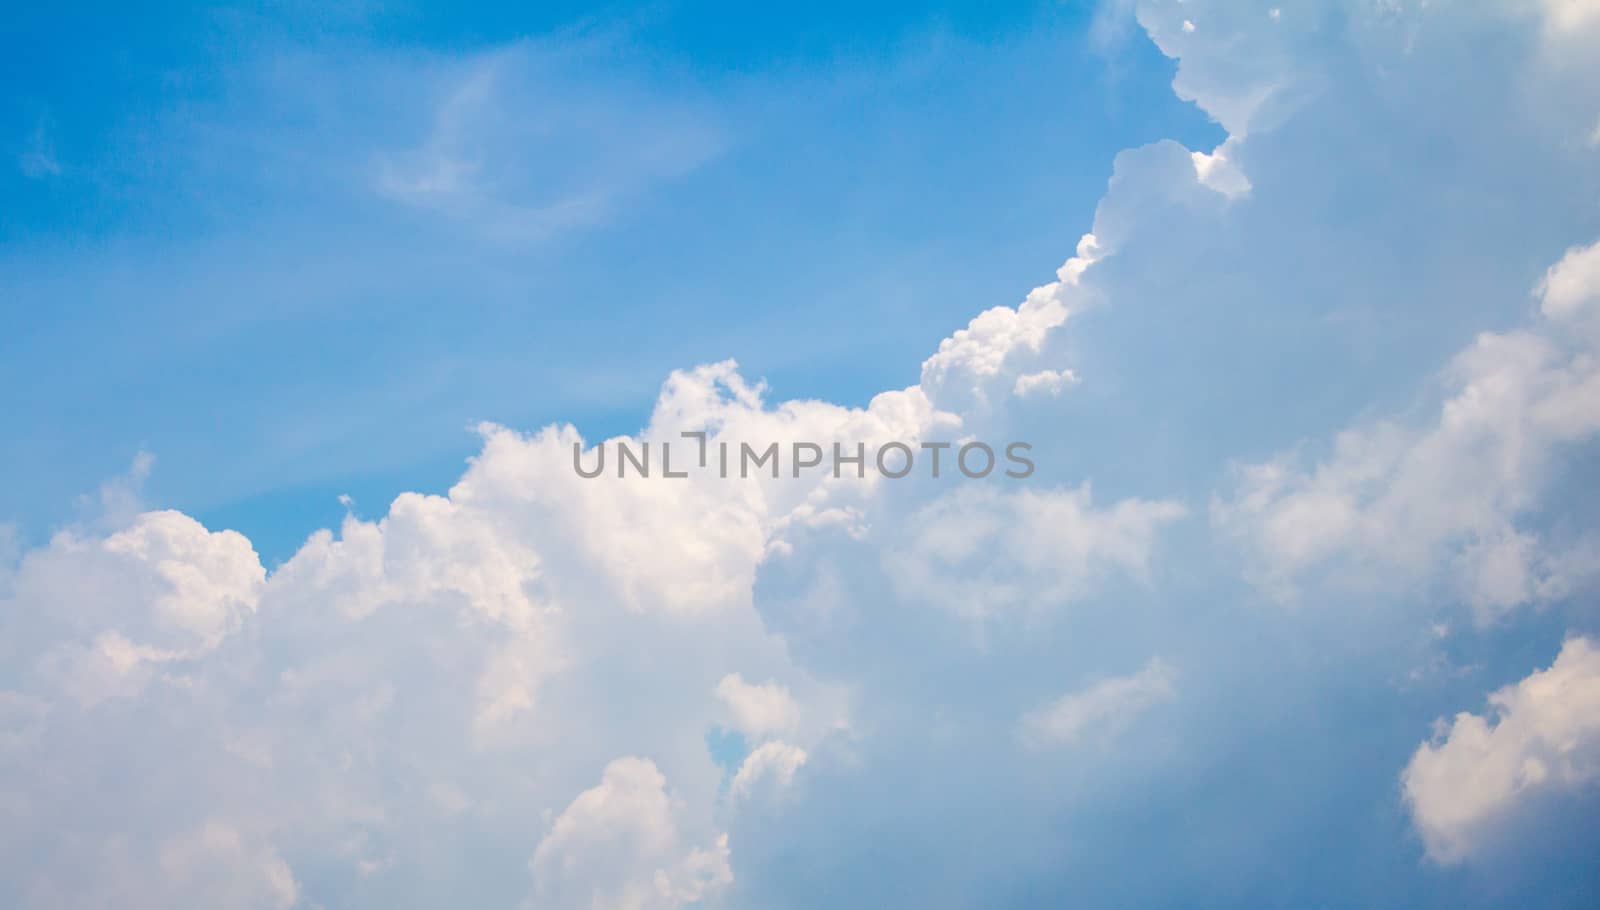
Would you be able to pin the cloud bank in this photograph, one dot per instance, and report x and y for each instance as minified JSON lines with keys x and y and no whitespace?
{"x":516,"y":693}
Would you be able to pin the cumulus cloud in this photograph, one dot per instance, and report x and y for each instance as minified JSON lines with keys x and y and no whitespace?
{"x":771,"y":767}
{"x":533,"y":660}
{"x":1044,"y":382}
{"x":1403,"y":500}
{"x":1540,"y":737}
{"x":1570,"y":291}
{"x":759,"y":711}
{"x":441,"y":667}
{"x":98,"y":614}
{"x":979,"y":552}
{"x":619,"y":847}
{"x":971,"y":367}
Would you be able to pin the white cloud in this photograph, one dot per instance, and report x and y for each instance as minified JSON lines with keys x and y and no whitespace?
{"x":1570,"y":291}
{"x":1542,"y":736}
{"x":1232,"y":70}
{"x":1218,"y":171}
{"x":96,"y":612}
{"x":1044,"y":382}
{"x":619,"y":847}
{"x":1101,"y":710}
{"x":443,"y":667}
{"x":402,"y":689}
{"x":1397,"y":500}
{"x":979,"y":552}
{"x":770,"y":768}
{"x":215,"y":865}
{"x":759,"y":711}
{"x":495,"y":157}
{"x":1569,"y":17}
{"x":962,"y":374}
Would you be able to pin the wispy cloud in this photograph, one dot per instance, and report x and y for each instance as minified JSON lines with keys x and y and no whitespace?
{"x":515,"y":148}
{"x":38,"y":159}
{"x":1101,"y":710}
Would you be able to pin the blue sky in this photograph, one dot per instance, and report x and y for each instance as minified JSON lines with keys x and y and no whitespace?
{"x":214,"y":240}
{"x":1298,"y":305}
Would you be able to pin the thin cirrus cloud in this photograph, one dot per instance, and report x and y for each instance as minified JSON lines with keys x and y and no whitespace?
{"x":299,"y":230}
{"x":517,"y":149}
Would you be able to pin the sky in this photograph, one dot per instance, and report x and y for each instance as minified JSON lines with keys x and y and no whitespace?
{"x":311,"y":254}
{"x":305,"y":312}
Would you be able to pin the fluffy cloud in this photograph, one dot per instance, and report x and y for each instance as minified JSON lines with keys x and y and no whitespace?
{"x":619,"y":847}
{"x":504,"y":693}
{"x":979,"y":552}
{"x":1402,"y":500}
{"x":758,"y":711}
{"x":1570,"y":291}
{"x":972,"y":366}
{"x":1044,"y":382}
{"x":772,"y":766}
{"x":442,"y":668}
{"x":97,"y":615}
{"x":1541,"y":738}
